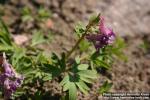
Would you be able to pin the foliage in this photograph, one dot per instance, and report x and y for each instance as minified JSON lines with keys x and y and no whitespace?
{"x":78,"y":77}
{"x":4,"y":34}
{"x":107,"y":54}
{"x":37,"y":65}
{"x":27,"y":61}
{"x":105,"y":87}
{"x":145,"y":46}
{"x":79,"y":29}
{"x":26,"y":14}
{"x":42,"y":14}
{"x":37,"y":38}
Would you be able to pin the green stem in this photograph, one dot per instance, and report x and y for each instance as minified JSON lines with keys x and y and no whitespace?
{"x":82,"y":37}
{"x":78,"y":42}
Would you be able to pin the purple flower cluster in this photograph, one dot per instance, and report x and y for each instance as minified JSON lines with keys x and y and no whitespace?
{"x":104,"y":37}
{"x":9,"y":79}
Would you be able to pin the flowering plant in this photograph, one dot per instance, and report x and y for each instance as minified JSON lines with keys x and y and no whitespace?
{"x":77,"y":74}
{"x":104,"y":36}
{"x":9,"y":79}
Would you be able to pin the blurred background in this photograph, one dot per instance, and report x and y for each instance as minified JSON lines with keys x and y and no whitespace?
{"x":56,"y":19}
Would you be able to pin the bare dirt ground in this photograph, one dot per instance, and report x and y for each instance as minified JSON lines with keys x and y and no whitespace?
{"x":129,"y":19}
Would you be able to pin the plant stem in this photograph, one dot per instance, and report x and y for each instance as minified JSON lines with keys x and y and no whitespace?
{"x":91,"y":23}
{"x":78,"y":42}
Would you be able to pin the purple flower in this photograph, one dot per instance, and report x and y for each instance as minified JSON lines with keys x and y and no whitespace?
{"x":107,"y":31}
{"x":2,"y":79}
{"x":9,"y":79}
{"x":8,"y":69}
{"x":104,"y":37}
{"x":10,"y":86}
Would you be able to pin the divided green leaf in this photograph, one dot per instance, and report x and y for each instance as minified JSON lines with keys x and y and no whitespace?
{"x":4,"y":34}
{"x":105,"y":87}
{"x":79,"y":76}
{"x":79,"y":29}
{"x":37,"y":38}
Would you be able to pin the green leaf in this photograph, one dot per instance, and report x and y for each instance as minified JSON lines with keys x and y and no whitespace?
{"x":4,"y":33}
{"x":4,"y":27}
{"x":26,"y":14}
{"x":59,"y":62}
{"x":95,"y":19}
{"x":119,"y":43}
{"x":41,"y":58}
{"x":88,"y":74}
{"x":30,"y":71}
{"x":18,"y":54}
{"x":55,"y":59}
{"x":66,"y":86}
{"x":87,"y":80}
{"x":82,"y":86}
{"x":62,"y":61}
{"x":47,"y":77}
{"x":84,"y":45}
{"x":78,"y":77}
{"x":83,"y":67}
{"x":5,"y":47}
{"x":119,"y":54}
{"x":94,"y":56}
{"x":72,"y":91}
{"x":54,"y":70}
{"x":37,"y":38}
{"x":81,"y":83}
{"x":105,"y":87}
{"x":26,"y":11}
{"x":65,"y":80}
{"x":38,"y":95}
{"x":77,"y":59}
{"x":79,"y":29}
{"x":69,"y":84}
{"x":43,"y":13}
{"x":27,"y":18}
{"x":102,"y":63}
{"x":38,"y":74}
{"x":117,"y":50}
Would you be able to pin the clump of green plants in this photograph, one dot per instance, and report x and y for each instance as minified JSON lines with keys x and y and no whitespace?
{"x":41,"y":14}
{"x":75,"y":73}
{"x":145,"y":46}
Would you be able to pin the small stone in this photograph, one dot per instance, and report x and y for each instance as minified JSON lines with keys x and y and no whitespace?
{"x":49,"y":23}
{"x":20,"y":39}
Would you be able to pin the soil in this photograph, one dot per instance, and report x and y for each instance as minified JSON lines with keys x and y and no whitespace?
{"x":129,"y":19}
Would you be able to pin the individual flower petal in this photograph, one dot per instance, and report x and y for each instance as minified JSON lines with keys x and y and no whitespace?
{"x":6,"y":84}
{"x":2,"y":78}
{"x":112,"y":38}
{"x":102,"y":28}
{"x":7,"y":68}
